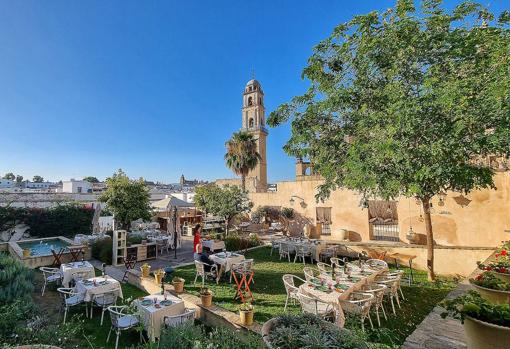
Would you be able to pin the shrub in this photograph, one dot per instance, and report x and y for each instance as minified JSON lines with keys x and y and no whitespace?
{"x":310,"y":331}
{"x":288,"y":212}
{"x":102,"y":249}
{"x":134,"y":240}
{"x":234,"y":242}
{"x":16,"y":280}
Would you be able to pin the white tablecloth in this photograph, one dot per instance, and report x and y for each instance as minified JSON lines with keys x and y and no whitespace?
{"x":152,"y":317}
{"x":225,"y":260}
{"x":68,"y":269}
{"x":213,"y":245}
{"x":91,"y":290}
{"x":314,"y":248}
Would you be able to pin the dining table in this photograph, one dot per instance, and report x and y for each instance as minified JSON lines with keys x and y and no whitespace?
{"x":316,"y":246}
{"x":69,"y":269}
{"x":153,"y":309}
{"x":333,"y":291}
{"x":98,"y":285}
{"x":213,"y":245}
{"x":225,"y":260}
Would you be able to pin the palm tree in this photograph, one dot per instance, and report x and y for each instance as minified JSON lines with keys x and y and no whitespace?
{"x":242,"y":156}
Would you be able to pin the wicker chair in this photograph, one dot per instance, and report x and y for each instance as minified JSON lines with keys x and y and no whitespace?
{"x":377,"y":264}
{"x":50,"y":275}
{"x":285,"y":250}
{"x":200,"y":271}
{"x":325,"y":268}
{"x":311,"y":273}
{"x":177,"y":320}
{"x":121,"y":321}
{"x":315,"y":306}
{"x":291,"y":288}
{"x":303,"y":251}
{"x":327,"y":253}
{"x":338,"y":262}
{"x":71,"y":298}
{"x":392,"y":284}
{"x":378,"y":291}
{"x":359,"y":303}
{"x":400,"y":274}
{"x":103,"y":301}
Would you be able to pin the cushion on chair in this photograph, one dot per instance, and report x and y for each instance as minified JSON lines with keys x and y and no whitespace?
{"x":74,"y":300}
{"x":127,"y":321}
{"x":54,"y":277}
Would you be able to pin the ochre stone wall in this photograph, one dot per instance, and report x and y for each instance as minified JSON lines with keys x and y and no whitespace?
{"x":481,"y":218}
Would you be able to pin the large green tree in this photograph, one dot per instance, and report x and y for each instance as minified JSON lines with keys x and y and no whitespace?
{"x":9,"y":176}
{"x":242,"y":156}
{"x":127,"y":199}
{"x":91,"y":179}
{"x":226,"y":202}
{"x":38,"y":179}
{"x":405,"y":103}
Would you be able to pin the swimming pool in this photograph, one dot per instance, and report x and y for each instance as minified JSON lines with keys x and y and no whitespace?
{"x":43,"y":247}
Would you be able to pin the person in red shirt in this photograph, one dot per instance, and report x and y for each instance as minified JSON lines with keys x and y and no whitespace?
{"x":197,"y":242}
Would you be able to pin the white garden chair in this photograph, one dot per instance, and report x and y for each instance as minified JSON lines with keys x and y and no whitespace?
{"x":177,"y":320}
{"x":338,"y":262}
{"x":392,"y":284}
{"x":103,"y":301}
{"x":378,"y":291}
{"x":325,"y":268}
{"x":291,"y":288}
{"x":328,"y":253}
{"x":377,"y":264}
{"x":71,"y":298}
{"x":400,"y":275}
{"x":311,"y":273}
{"x":303,"y":251}
{"x":285,"y":250}
{"x":316,"y":306}
{"x":50,"y":275}
{"x":121,"y":321}
{"x":275,"y":245}
{"x":359,"y":303}
{"x":200,"y":271}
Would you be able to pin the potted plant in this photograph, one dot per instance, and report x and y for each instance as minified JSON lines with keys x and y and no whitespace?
{"x":500,"y":265}
{"x":146,"y":269}
{"x":487,"y":325}
{"x":26,"y":253}
{"x":492,"y":288}
{"x":305,"y":331}
{"x":178,"y":284}
{"x":206,"y":297}
{"x":159,"y":275}
{"x":246,"y":314}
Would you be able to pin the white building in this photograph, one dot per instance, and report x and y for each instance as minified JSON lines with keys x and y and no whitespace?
{"x":37,"y":185}
{"x":74,"y":186}
{"x":6,"y":183}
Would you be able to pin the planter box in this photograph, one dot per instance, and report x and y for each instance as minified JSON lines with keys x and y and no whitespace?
{"x":483,"y":335}
{"x":494,"y":296}
{"x":503,"y":276}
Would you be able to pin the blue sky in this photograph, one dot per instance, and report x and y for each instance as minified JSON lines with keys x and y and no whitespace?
{"x":152,"y":87}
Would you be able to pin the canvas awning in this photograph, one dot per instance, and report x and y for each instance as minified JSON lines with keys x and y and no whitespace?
{"x":171,"y":201}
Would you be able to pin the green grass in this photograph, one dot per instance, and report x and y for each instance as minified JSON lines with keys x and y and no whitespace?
{"x":269,"y":296}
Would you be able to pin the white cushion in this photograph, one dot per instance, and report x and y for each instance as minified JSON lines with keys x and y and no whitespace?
{"x":54,"y":277}
{"x":74,"y":300}
{"x":127,"y":321}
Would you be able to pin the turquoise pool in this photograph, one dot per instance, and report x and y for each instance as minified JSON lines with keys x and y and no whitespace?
{"x":43,"y":247}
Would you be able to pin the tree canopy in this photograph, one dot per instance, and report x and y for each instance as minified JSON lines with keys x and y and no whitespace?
{"x":127,"y":199}
{"x":406,"y":102}
{"x":9,"y":176}
{"x":38,"y":179}
{"x":242,"y":156}
{"x":226,"y":202}
{"x":91,"y":179}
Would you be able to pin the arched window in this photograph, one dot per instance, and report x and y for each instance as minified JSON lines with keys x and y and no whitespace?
{"x":250,"y":101}
{"x":251,"y":124}
{"x":260,"y":100}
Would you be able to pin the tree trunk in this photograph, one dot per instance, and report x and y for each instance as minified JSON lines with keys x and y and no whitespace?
{"x":243,"y":182}
{"x":430,"y":238}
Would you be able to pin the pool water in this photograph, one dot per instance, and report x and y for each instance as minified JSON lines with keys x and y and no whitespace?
{"x":43,"y":247}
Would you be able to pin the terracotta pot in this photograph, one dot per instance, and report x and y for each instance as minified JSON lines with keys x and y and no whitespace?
{"x":178,"y":286}
{"x":503,"y":276}
{"x":146,"y":269}
{"x":26,"y":253}
{"x":246,"y":317}
{"x":206,"y":299}
{"x":483,"y":335}
{"x":494,"y":296}
{"x":158,"y":277}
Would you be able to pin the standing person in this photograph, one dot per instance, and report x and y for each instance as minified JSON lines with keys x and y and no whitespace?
{"x":197,"y":242}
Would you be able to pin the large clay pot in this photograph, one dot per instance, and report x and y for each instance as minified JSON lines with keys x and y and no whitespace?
{"x":483,"y":335}
{"x":494,"y":296}
{"x":503,"y":276}
{"x":266,"y":330}
{"x":26,"y":253}
{"x":146,"y":269}
{"x":178,"y":286}
{"x":246,"y":317}
{"x":206,"y":299}
{"x":342,"y":233}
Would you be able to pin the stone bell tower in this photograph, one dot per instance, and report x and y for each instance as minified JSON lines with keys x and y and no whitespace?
{"x":255,"y":123}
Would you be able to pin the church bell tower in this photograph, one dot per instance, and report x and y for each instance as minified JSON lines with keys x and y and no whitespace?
{"x":254,"y":122}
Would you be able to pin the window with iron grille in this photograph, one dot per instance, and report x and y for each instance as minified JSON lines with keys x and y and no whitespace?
{"x":323,"y":216}
{"x":383,"y":220}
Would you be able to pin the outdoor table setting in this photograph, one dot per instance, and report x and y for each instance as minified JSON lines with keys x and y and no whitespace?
{"x":213,"y":245}
{"x":332,"y":291}
{"x":153,"y":309}
{"x":68,"y":269}
{"x":97,"y":286}
{"x":225,"y":261}
{"x":315,"y":246}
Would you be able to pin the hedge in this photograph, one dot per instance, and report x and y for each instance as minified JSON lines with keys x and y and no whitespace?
{"x":62,"y":220}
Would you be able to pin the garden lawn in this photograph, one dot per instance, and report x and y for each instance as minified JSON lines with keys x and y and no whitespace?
{"x":269,"y":296}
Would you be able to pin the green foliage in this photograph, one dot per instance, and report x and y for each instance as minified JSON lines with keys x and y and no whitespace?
{"x":9,"y":176}
{"x":134,"y":239}
{"x":19,"y":178}
{"x":91,"y":179}
{"x":473,"y":305}
{"x":489,"y":280}
{"x":16,"y":280}
{"x":227,"y":202}
{"x":288,"y":212}
{"x":38,"y":179}
{"x":190,"y":336}
{"x":64,"y":220}
{"x":242,"y":156}
{"x":234,"y":242}
{"x":310,"y":331}
{"x":127,"y":199}
{"x":102,"y":249}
